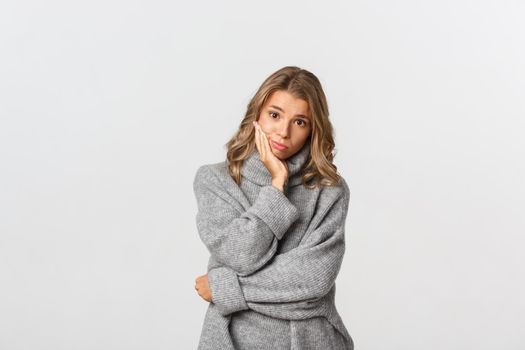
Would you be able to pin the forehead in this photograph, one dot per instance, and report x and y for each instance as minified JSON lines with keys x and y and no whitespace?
{"x":289,"y":103}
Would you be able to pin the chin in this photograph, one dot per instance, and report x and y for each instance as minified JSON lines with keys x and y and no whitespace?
{"x":280,"y":155}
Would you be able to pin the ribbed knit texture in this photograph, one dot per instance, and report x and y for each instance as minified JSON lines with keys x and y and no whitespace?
{"x":274,"y":258}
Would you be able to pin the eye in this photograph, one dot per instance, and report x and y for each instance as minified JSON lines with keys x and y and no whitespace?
{"x":302,"y":121}
{"x":273,"y":113}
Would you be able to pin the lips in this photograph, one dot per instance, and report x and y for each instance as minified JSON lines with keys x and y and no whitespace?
{"x":278,"y":145}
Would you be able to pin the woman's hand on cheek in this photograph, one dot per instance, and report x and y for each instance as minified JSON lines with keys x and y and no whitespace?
{"x":277,"y":168}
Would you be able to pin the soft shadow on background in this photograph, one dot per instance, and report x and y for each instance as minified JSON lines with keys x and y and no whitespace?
{"x":107,"y":109}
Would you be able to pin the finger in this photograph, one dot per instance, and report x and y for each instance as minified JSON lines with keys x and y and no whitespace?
{"x":266,"y":143}
{"x":257,"y":138}
{"x":262,"y":141}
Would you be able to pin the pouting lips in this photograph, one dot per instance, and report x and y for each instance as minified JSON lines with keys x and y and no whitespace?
{"x":279,"y":145}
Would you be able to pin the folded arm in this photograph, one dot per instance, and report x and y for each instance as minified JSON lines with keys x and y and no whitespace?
{"x":293,"y":282}
{"x":242,"y":240}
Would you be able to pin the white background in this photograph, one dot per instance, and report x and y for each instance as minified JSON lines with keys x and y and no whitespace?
{"x":107,"y":108}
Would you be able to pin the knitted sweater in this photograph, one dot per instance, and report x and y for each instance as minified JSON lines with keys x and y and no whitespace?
{"x":274,"y":258}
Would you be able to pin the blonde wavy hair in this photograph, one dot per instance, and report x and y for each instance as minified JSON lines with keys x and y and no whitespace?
{"x":319,"y":168}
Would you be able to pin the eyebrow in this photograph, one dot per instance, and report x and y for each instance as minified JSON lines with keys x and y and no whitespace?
{"x":282,"y":110}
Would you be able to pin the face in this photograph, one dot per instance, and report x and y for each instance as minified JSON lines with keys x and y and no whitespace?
{"x":285,"y":120}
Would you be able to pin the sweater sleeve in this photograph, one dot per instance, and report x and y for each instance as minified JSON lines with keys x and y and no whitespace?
{"x":293,"y":282}
{"x":243,"y":240}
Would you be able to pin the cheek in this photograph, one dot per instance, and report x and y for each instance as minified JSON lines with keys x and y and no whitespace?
{"x":267,"y":129}
{"x":301,"y":136}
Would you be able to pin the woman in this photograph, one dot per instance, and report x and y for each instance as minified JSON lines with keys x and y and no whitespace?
{"x":273,"y":216}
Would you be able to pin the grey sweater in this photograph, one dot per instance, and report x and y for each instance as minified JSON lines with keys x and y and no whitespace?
{"x":274,"y":258}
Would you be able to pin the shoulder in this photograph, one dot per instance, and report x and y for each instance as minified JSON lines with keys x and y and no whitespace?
{"x":212,"y":174}
{"x":335,"y":197}
{"x":338,"y":191}
{"x":332,"y":203}
{"x":343,"y":186}
{"x":213,"y":185}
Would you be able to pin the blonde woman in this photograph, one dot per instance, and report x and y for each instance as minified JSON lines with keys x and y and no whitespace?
{"x":272,"y":216}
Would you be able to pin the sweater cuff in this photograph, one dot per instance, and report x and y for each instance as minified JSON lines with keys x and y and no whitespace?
{"x":226,"y":291}
{"x":275,"y":209}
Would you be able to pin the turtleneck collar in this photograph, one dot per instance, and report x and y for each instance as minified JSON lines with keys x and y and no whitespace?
{"x":254,"y":170}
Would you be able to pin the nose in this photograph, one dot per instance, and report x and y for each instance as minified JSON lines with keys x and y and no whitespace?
{"x":283,"y":130}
